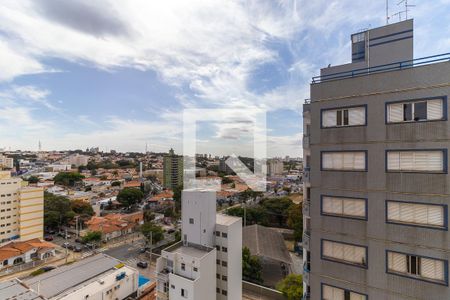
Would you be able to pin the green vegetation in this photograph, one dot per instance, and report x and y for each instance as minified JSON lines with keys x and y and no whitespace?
{"x":291,"y":286}
{"x":226,"y":180}
{"x":177,"y":197}
{"x":68,"y":178}
{"x":152,"y":232}
{"x":57,"y":210}
{"x":37,"y":272}
{"x":295,"y":220}
{"x":130,"y":196}
{"x":82,"y":208}
{"x":92,"y":236}
{"x":251,"y":267}
{"x":115,"y":183}
{"x":255,"y":215}
{"x":277,"y":208}
{"x":33,"y":179}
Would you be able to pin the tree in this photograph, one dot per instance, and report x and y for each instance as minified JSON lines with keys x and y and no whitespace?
{"x":148,"y":216}
{"x":226,"y":180}
{"x":81,"y":208}
{"x":291,"y":286}
{"x":92,"y":236}
{"x":33,"y":179}
{"x":130,"y":196}
{"x":255,"y":215}
{"x":251,"y":267}
{"x":177,"y":197}
{"x":277,"y":207}
{"x":56,"y":207}
{"x":115,"y":183}
{"x":152,"y":232}
{"x":295,"y":220}
{"x":68,"y":178}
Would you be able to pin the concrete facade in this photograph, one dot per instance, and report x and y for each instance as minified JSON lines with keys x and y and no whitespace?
{"x":173,"y":170}
{"x":21,"y":209}
{"x":376,"y":184}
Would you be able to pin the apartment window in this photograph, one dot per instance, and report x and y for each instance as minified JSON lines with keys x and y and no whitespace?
{"x":217,"y":233}
{"x":217,"y":275}
{"x":191,"y":221}
{"x":416,"y":161}
{"x":344,"y":160}
{"x":184,"y":293}
{"x":343,"y":252}
{"x":425,"y":268}
{"x":218,"y":290}
{"x":344,"y":207}
{"x":334,"y":293}
{"x":224,"y":249}
{"x":224,"y":264}
{"x":421,"y":214}
{"x":183,"y":266}
{"x":218,"y":248}
{"x":224,"y":292}
{"x":413,"y":111}
{"x":224,"y":278}
{"x":218,"y":261}
{"x":224,"y":235}
{"x":349,"y":116}
{"x":195,"y":269}
{"x":172,"y":286}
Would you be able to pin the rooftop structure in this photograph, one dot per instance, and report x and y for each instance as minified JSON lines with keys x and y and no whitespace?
{"x":16,"y":290}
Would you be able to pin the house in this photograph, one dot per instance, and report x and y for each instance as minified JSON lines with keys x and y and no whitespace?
{"x":15,"y":253}
{"x":115,"y":225}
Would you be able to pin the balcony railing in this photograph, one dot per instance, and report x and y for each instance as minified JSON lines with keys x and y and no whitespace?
{"x":306,"y":208}
{"x":306,"y":277}
{"x":306,"y":175}
{"x":306,"y":240}
{"x":305,"y":141}
{"x":384,"y":68}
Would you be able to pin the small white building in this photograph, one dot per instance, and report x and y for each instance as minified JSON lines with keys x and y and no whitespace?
{"x":207,"y":263}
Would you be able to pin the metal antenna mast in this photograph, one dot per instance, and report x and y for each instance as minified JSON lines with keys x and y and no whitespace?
{"x":387,"y":12}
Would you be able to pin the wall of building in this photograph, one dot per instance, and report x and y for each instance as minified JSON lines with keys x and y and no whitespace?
{"x":31,"y":213}
{"x":376,"y":184}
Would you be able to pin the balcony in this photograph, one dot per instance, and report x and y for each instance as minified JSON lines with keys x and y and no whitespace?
{"x":306,"y":275}
{"x":306,"y":240}
{"x":306,"y":141}
{"x":306,"y":208}
{"x":306,"y":175}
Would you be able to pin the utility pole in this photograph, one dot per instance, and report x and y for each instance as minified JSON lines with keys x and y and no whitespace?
{"x":67,"y":250}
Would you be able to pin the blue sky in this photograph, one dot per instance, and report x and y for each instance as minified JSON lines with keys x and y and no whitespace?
{"x":119,"y":74}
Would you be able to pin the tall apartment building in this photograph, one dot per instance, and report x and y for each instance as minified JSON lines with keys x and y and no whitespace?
{"x":275,"y":167}
{"x":207,"y":263}
{"x":376,"y":139}
{"x":6,"y":162}
{"x":173,"y":170}
{"x":21,"y":210}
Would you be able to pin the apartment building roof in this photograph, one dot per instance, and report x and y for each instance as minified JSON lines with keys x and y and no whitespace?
{"x":67,"y":277}
{"x":14,"y":289}
{"x":265,"y":242}
{"x":222,"y":219}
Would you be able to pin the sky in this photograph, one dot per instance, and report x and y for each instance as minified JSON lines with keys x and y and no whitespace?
{"x":119,"y":74}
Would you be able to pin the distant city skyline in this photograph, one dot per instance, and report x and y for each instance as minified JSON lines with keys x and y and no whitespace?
{"x":118,"y":76}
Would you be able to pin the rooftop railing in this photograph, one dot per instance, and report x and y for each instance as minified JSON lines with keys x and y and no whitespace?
{"x":383,"y":68}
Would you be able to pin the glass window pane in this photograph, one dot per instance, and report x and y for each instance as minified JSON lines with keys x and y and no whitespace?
{"x":420,"y":111}
{"x":407,"y":112}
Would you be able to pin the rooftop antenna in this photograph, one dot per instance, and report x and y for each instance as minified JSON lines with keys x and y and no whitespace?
{"x":40,"y":146}
{"x":406,"y":10}
{"x":387,"y":12}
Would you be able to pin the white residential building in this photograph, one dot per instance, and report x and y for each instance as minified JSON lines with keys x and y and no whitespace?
{"x":275,"y":167}
{"x":78,"y":160}
{"x":21,"y":209}
{"x":207,"y":263}
{"x":6,"y":162}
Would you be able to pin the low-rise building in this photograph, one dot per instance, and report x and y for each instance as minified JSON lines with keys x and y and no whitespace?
{"x":15,"y":253}
{"x":115,"y":225}
{"x":94,"y":278}
{"x":6,"y":162}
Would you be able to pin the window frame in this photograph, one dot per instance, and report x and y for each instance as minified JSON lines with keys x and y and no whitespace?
{"x":406,"y":275}
{"x":445,"y":161}
{"x":331,"y":259}
{"x":444,"y":206}
{"x":322,"y":110}
{"x":444,"y":109}
{"x":366,"y":215}
{"x":366,"y":163}
{"x":338,"y":287}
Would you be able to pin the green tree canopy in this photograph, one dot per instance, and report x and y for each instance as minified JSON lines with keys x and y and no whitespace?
{"x":68,"y":178}
{"x":33,"y":179}
{"x":57,"y":210}
{"x":255,"y":214}
{"x":291,"y":286}
{"x":115,"y":183}
{"x":130,"y":196}
{"x":92,"y":236}
{"x":152,"y":231}
{"x":295,"y":220}
{"x":81,"y":207}
{"x":277,"y":208}
{"x":251,"y":267}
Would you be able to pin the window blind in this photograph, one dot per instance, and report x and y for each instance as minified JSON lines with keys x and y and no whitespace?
{"x":428,"y":161}
{"x":352,"y":161}
{"x":344,"y":206}
{"x":344,"y":252}
{"x":412,"y":213}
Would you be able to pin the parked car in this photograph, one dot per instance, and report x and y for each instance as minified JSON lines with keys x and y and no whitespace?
{"x":79,"y":241}
{"x":47,"y":268}
{"x":171,"y":230}
{"x":77,"y":249}
{"x":48,"y":238}
{"x":51,"y":231}
{"x":142,"y":264}
{"x":65,"y":245}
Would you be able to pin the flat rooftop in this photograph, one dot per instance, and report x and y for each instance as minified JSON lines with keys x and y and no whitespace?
{"x":222,"y":219}
{"x":196,"y":251}
{"x":67,"y":277}
{"x":14,"y":289}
